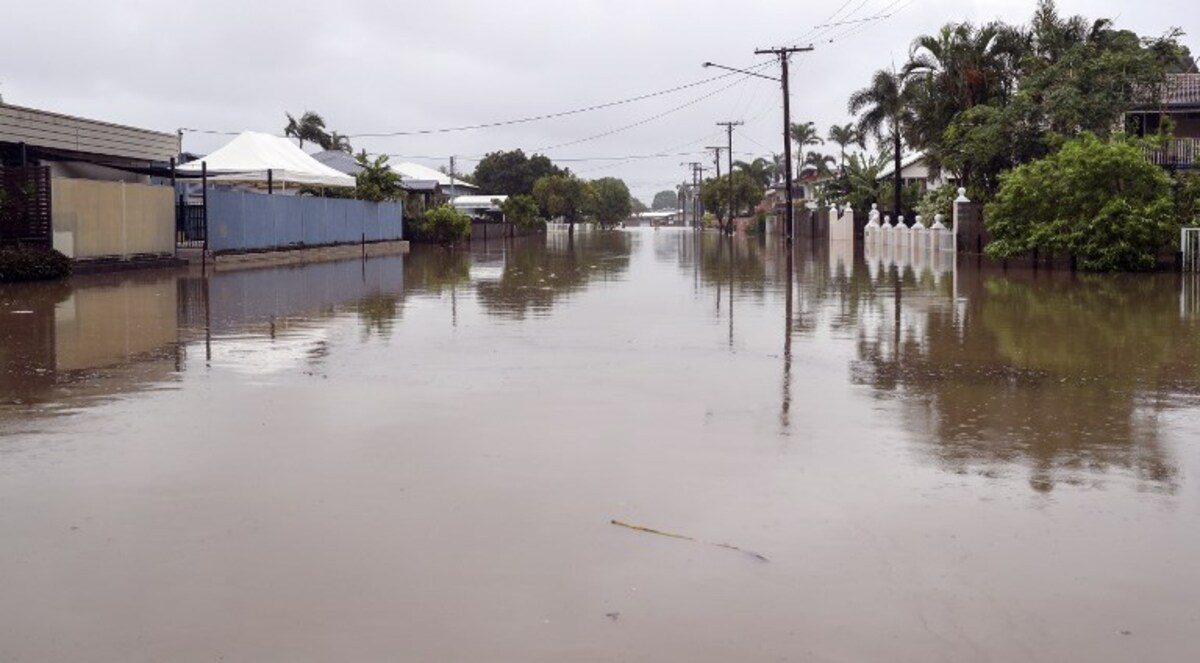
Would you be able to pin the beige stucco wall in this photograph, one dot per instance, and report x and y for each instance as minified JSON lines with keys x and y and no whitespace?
{"x":94,"y":219}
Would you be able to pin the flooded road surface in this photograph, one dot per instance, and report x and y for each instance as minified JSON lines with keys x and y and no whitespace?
{"x":420,"y":458}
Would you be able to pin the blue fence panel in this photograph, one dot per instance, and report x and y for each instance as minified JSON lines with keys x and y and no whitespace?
{"x":245,"y":221}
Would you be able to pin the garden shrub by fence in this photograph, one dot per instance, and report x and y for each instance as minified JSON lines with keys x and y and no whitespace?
{"x":96,"y":219}
{"x":244,"y":221}
{"x":25,"y":206}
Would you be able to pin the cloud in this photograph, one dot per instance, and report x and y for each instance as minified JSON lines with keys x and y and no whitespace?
{"x":372,"y":66}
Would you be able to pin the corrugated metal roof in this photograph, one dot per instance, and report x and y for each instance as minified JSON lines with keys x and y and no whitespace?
{"x":1178,"y":91}
{"x":339,"y":161}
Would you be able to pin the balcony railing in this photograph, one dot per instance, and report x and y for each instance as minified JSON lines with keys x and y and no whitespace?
{"x":1178,"y":153}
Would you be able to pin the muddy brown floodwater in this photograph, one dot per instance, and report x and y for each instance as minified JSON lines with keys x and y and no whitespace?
{"x":420,"y":458}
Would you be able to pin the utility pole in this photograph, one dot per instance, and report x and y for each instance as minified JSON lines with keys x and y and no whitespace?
{"x":452,"y":159}
{"x":729,"y":152}
{"x":692,"y":165}
{"x":784,"y":54}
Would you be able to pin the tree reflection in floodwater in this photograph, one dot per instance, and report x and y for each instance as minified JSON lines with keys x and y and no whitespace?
{"x":538,"y":272}
{"x":1064,"y":376}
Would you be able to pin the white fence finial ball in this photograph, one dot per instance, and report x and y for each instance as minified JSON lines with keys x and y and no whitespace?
{"x":875,"y":206}
{"x":920,"y":222}
{"x":962,"y":196}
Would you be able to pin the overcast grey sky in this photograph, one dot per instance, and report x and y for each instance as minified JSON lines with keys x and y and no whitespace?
{"x":398,"y":65}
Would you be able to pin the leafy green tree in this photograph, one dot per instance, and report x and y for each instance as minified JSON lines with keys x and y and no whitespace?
{"x":338,"y":142}
{"x":715,"y":193}
{"x":858,"y":183}
{"x":376,"y":182}
{"x":844,"y":136}
{"x":611,"y":202}
{"x":759,"y":170}
{"x":1101,"y":202}
{"x":666,"y":200}
{"x":805,"y":134}
{"x":562,"y":196}
{"x":884,"y":108}
{"x":512,"y":173}
{"x":310,"y":127}
{"x":820,"y":163}
{"x":521,"y":210}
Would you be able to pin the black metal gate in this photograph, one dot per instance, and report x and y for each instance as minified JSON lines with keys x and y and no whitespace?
{"x":191,"y":228}
{"x":25,"y":206}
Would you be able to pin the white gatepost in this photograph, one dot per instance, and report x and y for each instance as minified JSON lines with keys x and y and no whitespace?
{"x":871,"y":231}
{"x":920,"y":237}
{"x":961,"y":200}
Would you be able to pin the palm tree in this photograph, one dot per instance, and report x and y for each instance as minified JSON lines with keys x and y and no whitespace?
{"x":820,"y":162}
{"x":843,"y":137}
{"x":805,"y":134}
{"x":759,"y":170}
{"x":778,"y":168}
{"x":310,"y":127}
{"x":884,"y":108}
{"x":337,"y":141}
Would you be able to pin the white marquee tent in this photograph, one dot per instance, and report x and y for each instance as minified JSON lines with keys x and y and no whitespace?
{"x":253,"y":158}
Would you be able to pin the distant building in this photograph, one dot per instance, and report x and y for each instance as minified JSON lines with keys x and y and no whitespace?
{"x":1179,"y":101}
{"x":660,"y":218}
{"x":479,"y":207}
{"x":428,"y":191}
{"x":915,"y":169}
{"x":451,"y":187}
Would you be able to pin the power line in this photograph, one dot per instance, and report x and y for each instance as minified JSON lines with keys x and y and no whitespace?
{"x":547,"y":116}
{"x":648,"y":119}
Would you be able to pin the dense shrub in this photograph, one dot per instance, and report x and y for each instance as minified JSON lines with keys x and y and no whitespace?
{"x":1101,"y":202}
{"x":442,"y":225}
{"x":521,"y":210}
{"x":32,"y":264}
{"x":937,"y":201}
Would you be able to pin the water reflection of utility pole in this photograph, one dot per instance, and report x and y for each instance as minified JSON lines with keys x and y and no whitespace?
{"x":207,"y":321}
{"x":732,"y":264}
{"x":785,"y":413}
{"x":898,"y":294}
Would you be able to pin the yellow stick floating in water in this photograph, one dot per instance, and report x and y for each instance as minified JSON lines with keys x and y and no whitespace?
{"x":647,"y":530}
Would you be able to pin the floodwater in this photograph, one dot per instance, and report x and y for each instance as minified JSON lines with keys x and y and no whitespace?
{"x":420,"y":458}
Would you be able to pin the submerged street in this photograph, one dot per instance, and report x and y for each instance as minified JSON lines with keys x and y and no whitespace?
{"x":369,"y":460}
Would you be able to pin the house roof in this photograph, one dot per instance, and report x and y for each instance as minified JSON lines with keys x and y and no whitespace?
{"x":419,"y":186}
{"x":907,"y":161}
{"x":1178,"y":91}
{"x":339,"y":161}
{"x":77,"y":135}
{"x":478,"y":201}
{"x":416,"y":171}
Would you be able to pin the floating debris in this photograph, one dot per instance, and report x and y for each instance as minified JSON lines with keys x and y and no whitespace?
{"x":647,"y":530}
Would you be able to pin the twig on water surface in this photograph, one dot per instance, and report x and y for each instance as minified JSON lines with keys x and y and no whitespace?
{"x":647,"y":530}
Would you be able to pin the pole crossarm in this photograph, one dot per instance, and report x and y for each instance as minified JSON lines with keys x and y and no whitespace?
{"x":739,"y":71}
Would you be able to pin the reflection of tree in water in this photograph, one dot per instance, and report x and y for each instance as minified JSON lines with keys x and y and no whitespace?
{"x":378,"y":314}
{"x":740,"y":259}
{"x":538,"y":274}
{"x":1064,"y":376}
{"x":435,"y":269}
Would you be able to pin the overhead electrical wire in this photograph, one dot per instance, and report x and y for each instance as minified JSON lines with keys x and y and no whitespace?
{"x":503,"y":123}
{"x":742,"y":79}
